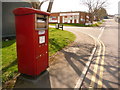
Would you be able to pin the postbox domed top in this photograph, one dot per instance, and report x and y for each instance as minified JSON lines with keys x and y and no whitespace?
{"x":25,"y":11}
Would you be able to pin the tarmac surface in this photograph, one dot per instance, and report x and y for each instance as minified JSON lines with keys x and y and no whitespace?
{"x":105,"y":72}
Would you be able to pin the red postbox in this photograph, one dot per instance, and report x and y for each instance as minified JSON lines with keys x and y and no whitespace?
{"x":32,"y":40}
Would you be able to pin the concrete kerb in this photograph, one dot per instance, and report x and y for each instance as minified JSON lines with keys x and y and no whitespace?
{"x":82,"y":77}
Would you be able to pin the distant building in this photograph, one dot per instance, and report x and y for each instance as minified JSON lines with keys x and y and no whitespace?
{"x":70,"y":17}
{"x":8,"y":21}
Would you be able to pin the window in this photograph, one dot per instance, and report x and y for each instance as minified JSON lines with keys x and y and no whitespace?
{"x":53,"y":17}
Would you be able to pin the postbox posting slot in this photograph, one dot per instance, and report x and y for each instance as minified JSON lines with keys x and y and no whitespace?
{"x":41,"y":22}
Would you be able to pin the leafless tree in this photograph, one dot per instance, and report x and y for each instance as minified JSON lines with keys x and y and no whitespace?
{"x":94,"y":5}
{"x":101,"y":13}
{"x":38,"y":3}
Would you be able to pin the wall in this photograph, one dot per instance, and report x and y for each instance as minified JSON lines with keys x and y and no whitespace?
{"x":8,"y":21}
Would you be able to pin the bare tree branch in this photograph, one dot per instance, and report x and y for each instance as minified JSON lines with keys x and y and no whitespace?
{"x":37,"y":4}
{"x":94,"y":5}
{"x":42,"y":3}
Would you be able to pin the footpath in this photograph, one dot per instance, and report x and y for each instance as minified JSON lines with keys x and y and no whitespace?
{"x":65,"y":68}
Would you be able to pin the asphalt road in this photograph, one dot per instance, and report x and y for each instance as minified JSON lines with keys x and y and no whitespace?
{"x":110,"y":39}
{"x":109,"y":78}
{"x":103,"y":72}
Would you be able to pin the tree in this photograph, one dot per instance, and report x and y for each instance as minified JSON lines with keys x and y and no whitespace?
{"x":94,"y":6}
{"x":37,"y":4}
{"x":101,"y":13}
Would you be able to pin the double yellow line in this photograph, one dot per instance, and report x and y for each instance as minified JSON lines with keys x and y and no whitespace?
{"x":99,"y":60}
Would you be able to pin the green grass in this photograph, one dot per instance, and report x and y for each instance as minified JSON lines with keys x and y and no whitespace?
{"x":70,"y":24}
{"x":57,"y":40}
{"x":103,"y":20}
{"x":9,"y":62}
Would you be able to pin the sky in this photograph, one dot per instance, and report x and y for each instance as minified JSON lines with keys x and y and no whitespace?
{"x":76,"y":5}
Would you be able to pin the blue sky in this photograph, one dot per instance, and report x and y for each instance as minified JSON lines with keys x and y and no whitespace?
{"x":76,"y":5}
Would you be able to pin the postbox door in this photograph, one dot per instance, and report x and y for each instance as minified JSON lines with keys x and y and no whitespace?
{"x":41,"y":54}
{"x":41,"y":41}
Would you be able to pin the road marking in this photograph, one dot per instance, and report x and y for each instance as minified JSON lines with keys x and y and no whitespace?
{"x":101,"y":67}
{"x":102,"y":63}
{"x":97,"y":62}
{"x":81,"y":78}
{"x":95,"y":68}
{"x":102,"y":28}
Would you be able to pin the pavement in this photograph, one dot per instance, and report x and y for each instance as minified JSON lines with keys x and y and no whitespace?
{"x":65,"y":68}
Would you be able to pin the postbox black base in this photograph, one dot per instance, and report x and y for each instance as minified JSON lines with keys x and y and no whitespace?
{"x":32,"y":77}
{"x":38,"y":82}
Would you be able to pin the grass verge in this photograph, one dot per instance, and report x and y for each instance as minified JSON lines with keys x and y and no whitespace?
{"x":58,"y":39}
